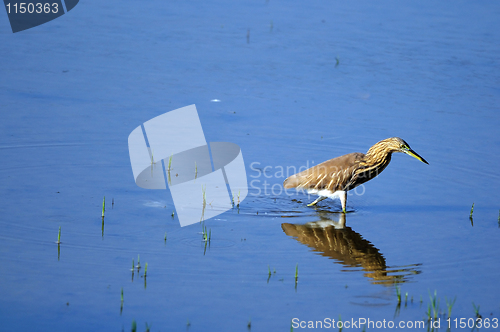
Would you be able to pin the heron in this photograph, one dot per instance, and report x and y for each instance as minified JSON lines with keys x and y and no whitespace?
{"x":335,"y":177}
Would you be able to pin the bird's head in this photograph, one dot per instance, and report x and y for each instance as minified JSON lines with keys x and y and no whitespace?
{"x":396,"y":144}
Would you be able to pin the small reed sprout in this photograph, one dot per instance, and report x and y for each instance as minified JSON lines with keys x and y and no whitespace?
{"x":341,"y":324}
{"x":122,"y":296}
{"x":398,"y":293}
{"x":134,"y":326}
{"x":476,"y":310}
{"x":133,"y":265}
{"x":169,"y":163}
{"x":296,"y":273}
{"x":168,"y":169}
{"x":204,"y":191}
{"x":471,"y":210}
{"x":59,"y":236}
{"x":434,"y":305}
{"x":146,"y":270}
{"x":165,"y":236}
{"x":269,"y":270}
{"x":103,"y":206}
{"x":450,"y":304}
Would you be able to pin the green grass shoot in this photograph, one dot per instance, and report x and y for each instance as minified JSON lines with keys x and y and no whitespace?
{"x":59,"y":236}
{"x":134,"y":326}
{"x":296,"y":272}
{"x":476,"y":310}
{"x":122,"y":295}
{"x":434,"y":305}
{"x":471,"y":210}
{"x":146,"y":270}
{"x":341,"y":324}
{"x":429,"y":312}
{"x":152,"y":157}
{"x":165,"y":236}
{"x":269,"y":270}
{"x":203,"y":190}
{"x":133,"y":265}
{"x":450,"y":304}
{"x":398,"y":293}
{"x":103,"y":206}
{"x":169,"y":163}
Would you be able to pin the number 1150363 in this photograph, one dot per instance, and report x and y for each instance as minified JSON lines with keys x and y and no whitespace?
{"x":473,"y":322}
{"x":32,"y":8}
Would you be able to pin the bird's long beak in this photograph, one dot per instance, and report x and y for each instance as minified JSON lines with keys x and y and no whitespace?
{"x":415,"y":155}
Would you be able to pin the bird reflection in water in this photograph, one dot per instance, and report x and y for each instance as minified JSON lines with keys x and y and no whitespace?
{"x":339,"y":242}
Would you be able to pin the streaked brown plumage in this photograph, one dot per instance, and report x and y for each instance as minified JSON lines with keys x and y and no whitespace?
{"x":334,"y":177}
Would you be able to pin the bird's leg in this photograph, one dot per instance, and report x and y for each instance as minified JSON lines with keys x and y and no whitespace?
{"x":343,"y":200}
{"x":319,"y":199}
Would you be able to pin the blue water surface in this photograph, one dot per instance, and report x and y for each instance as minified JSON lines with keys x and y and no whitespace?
{"x":296,"y":83}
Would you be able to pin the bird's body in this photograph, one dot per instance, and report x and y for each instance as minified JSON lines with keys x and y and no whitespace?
{"x":334,"y":177}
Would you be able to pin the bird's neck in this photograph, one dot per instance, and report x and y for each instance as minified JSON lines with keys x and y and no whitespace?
{"x":377,"y":158}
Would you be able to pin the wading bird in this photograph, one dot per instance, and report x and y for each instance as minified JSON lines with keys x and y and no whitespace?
{"x":335,"y":177}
